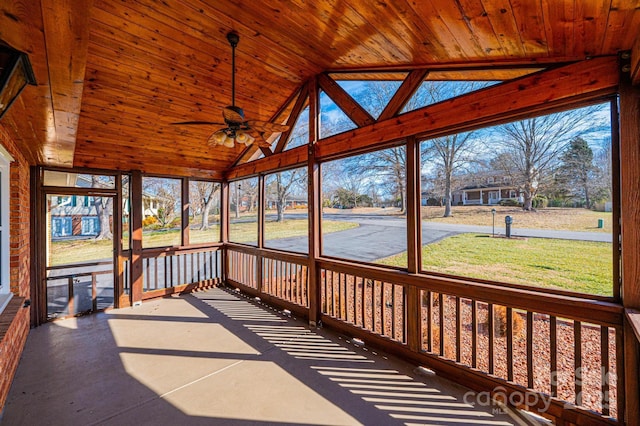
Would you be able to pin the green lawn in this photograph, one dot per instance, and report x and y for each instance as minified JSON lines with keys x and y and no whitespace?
{"x":580,"y":266}
{"x":74,"y":251}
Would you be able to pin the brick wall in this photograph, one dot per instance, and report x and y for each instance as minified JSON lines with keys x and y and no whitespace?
{"x":14,"y":321}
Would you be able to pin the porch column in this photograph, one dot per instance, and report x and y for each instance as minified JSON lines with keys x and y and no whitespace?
{"x":630,"y":242}
{"x":315,"y":208}
{"x":136,"y":237}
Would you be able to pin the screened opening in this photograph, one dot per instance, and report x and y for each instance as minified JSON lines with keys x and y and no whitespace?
{"x":204,"y":212}
{"x":286,"y":222}
{"x":432,"y":92}
{"x":364,"y":207}
{"x":243,"y":211}
{"x":162,"y":212}
{"x":529,"y":202}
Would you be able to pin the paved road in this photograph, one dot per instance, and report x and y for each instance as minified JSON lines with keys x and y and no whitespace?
{"x":391,"y":234}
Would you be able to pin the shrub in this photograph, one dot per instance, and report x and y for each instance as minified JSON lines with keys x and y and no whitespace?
{"x":540,"y":202}
{"x":449,"y":346}
{"x":510,"y":203}
{"x":500,"y":323}
{"x":149,"y":220}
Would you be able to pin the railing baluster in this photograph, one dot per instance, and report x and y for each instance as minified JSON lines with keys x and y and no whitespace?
{"x":490,"y":342}
{"x":509,"y":329}
{"x":458,"y":328}
{"x":474,"y":334}
{"x":441,"y":320}
{"x":530,"y":349}
{"x":604,"y":369}
{"x":553,"y":349}
{"x":577,"y":360}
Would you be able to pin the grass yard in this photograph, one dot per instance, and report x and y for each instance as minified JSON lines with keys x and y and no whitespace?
{"x":75,"y":251}
{"x":579,"y":266}
{"x":550,"y":218}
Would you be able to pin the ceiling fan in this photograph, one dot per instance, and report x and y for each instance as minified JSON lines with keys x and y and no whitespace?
{"x":237,"y":128}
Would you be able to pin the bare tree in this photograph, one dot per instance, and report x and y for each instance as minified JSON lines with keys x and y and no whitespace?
{"x":166,"y":194}
{"x":104,"y":210}
{"x":203,"y":196}
{"x":281,"y":185}
{"x":530,"y":148}
{"x":451,"y":153}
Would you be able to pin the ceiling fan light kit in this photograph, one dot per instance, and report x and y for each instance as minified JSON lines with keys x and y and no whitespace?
{"x":237,"y":130}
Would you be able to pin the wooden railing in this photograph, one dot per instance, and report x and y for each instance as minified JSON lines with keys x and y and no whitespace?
{"x":373,"y":305}
{"x":63,"y":304}
{"x":281,"y":277}
{"x":172,"y":269}
{"x":556,"y":354}
{"x":547,"y":352}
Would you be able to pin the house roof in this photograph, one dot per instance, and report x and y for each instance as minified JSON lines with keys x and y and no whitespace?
{"x":112,"y":75}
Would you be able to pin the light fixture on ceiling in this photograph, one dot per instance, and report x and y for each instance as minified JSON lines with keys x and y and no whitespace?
{"x":228,"y":137}
{"x":15,"y":74}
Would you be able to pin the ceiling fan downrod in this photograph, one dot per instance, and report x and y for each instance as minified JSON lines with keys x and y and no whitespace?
{"x":233,"y":39}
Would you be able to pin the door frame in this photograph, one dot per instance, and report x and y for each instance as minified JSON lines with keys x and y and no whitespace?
{"x":40,"y":230}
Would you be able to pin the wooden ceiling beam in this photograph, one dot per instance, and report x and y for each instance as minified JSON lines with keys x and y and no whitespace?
{"x":635,"y":62}
{"x":523,"y":96}
{"x":279,"y":161}
{"x":345,"y":102}
{"x":66,"y":33}
{"x":408,"y":87}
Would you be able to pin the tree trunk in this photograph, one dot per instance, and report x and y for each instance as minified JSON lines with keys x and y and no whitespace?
{"x":205,"y":214}
{"x":280,"y":209}
{"x":447,"y":194}
{"x":103,"y":211}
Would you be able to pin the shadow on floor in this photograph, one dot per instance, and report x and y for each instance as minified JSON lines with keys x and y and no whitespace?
{"x":216,"y":357}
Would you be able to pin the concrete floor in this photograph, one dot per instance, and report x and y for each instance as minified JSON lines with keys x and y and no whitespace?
{"x":214,"y":357}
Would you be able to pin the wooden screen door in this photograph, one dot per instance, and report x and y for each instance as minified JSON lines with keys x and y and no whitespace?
{"x":79,"y":253}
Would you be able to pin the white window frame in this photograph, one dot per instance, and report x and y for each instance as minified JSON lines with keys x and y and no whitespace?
{"x":5,"y":208}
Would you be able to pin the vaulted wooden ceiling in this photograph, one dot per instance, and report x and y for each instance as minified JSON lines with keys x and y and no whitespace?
{"x":114,"y":74}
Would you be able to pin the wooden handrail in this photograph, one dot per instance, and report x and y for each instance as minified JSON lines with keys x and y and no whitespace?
{"x":577,"y":308}
{"x":633,"y":317}
{"x":270,"y":253}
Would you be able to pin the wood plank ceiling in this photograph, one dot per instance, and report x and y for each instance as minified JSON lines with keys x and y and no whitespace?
{"x":114,"y":74}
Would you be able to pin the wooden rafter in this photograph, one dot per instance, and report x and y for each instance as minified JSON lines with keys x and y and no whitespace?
{"x":301,"y":102}
{"x":345,"y":102}
{"x":403,"y":94}
{"x":522,"y":96}
{"x":250,"y":151}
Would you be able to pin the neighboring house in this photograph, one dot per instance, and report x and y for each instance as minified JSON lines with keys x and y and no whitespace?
{"x":488,"y":190}
{"x":73,"y":216}
{"x":290,"y":203}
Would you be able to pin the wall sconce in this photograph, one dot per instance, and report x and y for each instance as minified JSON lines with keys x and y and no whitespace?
{"x":15,"y":74}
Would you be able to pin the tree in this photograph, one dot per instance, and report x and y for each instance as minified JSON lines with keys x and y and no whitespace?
{"x":166,"y":193}
{"x":205,"y":195}
{"x":577,"y":169}
{"x":450,"y":153}
{"x":104,"y":210}
{"x":281,"y":186}
{"x":529,"y":149}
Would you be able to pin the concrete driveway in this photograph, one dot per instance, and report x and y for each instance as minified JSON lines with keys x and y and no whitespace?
{"x":391,"y":236}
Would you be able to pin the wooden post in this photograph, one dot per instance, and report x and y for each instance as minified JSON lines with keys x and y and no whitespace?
{"x":630,"y":242}
{"x":185,"y":211}
{"x":261,"y":207}
{"x":136,"y":237}
{"x":413,"y":316}
{"x":315,"y":208}
{"x":224,"y":227}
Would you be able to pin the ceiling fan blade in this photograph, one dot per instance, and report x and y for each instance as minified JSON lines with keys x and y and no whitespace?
{"x":233,"y":114}
{"x":263,"y":126}
{"x":206,"y":123}
{"x":259,"y":140}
